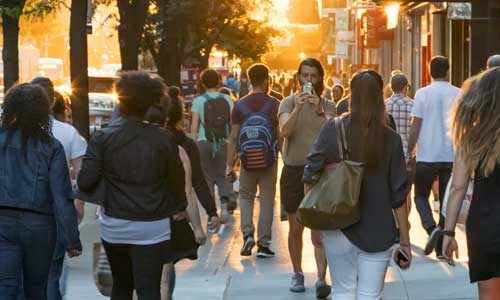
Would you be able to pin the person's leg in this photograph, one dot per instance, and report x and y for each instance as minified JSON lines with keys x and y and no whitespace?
{"x":342,"y":257}
{"x":39,"y":240}
{"x":56,"y":267}
{"x":147,"y":266}
{"x":224,"y":188}
{"x":248,"y":188}
{"x":206,"y":160}
{"x":295,"y":243}
{"x":424,"y":177}
{"x":167,"y":284}
{"x":489,"y":289}
{"x":372,"y":268}
{"x":322,"y":288}
{"x":121,"y":269}
{"x":266,"y":180}
{"x":444,"y":177}
{"x":11,"y":256}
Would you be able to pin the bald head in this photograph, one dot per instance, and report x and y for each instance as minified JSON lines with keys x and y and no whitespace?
{"x":493,"y":61}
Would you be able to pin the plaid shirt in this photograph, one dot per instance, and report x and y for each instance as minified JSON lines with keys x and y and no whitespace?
{"x":400,"y":106}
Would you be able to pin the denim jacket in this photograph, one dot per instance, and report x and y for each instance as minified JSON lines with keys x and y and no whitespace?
{"x":36,"y":178}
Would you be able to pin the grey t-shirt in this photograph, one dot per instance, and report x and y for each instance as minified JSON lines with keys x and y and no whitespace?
{"x":297,"y":146}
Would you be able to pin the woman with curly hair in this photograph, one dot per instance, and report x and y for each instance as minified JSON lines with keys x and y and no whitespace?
{"x":35,"y":194}
{"x":476,"y":135}
{"x":133,"y":170}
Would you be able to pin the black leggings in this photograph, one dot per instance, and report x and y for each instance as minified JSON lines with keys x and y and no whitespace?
{"x":136,"y":267}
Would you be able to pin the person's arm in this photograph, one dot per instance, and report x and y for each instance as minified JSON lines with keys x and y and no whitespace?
{"x":458,"y":188}
{"x":192,"y":209}
{"x":416,"y":125}
{"x":76,"y":164}
{"x":176,"y":181}
{"x":399,"y":190}
{"x":288,"y":120}
{"x":232,"y":157}
{"x":195,"y":123}
{"x":92,"y":165}
{"x":63,"y":207}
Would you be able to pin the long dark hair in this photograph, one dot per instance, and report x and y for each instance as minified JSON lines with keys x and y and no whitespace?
{"x":368,"y":113}
{"x":26,"y":108}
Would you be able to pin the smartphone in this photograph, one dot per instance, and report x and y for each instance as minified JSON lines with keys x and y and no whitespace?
{"x":401,"y":257}
{"x":307,"y":88}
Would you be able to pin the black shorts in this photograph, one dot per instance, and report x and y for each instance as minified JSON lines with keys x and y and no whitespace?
{"x":291,"y":187}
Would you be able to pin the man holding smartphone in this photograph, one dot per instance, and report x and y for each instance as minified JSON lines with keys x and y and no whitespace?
{"x":301,"y":117}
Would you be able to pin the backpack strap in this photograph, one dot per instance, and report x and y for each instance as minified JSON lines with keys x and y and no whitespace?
{"x":244,"y":108}
{"x":266,"y":109}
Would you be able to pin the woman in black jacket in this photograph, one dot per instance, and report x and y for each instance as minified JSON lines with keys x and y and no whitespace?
{"x":133,"y":170}
{"x":358,"y":256}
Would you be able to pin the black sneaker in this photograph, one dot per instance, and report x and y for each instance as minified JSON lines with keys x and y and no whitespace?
{"x":249,"y":243}
{"x":264,"y":252}
{"x":432,"y":242}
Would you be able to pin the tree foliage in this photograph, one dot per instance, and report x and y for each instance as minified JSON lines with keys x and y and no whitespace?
{"x":185,"y":32}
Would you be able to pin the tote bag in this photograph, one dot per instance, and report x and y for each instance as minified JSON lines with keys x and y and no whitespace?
{"x":333,"y":202}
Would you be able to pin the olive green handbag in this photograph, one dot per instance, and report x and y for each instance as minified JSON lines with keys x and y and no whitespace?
{"x":333,"y":202}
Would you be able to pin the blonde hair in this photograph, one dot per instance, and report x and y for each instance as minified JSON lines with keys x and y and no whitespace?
{"x":476,"y":122}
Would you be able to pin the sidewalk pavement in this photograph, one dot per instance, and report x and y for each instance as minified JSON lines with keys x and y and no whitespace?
{"x":221,"y":273}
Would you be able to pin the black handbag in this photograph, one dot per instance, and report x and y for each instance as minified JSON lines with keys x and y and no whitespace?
{"x":333,"y":202}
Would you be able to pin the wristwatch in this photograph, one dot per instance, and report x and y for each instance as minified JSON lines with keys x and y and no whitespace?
{"x":449,"y":233}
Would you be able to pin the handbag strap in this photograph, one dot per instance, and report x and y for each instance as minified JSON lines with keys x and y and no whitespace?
{"x":338,"y":123}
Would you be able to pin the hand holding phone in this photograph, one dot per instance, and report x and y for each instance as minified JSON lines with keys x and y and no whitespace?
{"x":402,"y":259}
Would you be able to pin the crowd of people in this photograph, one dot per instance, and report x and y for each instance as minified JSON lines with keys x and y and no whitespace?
{"x":147,"y":175}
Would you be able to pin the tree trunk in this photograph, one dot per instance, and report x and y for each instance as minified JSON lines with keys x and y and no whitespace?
{"x":78,"y":66}
{"x":10,"y":50}
{"x":132,"y":19}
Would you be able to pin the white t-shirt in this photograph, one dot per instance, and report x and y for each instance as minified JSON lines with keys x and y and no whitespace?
{"x":433,"y":104}
{"x":74,"y":144}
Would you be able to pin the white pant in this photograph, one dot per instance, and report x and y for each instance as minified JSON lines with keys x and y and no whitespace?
{"x":356,"y":274}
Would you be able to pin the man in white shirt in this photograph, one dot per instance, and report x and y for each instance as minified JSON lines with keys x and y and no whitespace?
{"x":434,"y":157}
{"x":74,"y":148}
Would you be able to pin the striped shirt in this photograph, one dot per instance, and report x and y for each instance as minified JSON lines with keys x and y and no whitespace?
{"x":400,"y":107}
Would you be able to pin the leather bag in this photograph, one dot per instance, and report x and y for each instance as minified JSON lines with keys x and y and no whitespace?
{"x":333,"y":202}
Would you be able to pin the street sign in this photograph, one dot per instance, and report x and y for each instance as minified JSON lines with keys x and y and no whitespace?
{"x":364,"y":5}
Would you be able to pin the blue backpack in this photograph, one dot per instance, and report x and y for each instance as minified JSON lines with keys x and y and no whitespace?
{"x":257,"y":141}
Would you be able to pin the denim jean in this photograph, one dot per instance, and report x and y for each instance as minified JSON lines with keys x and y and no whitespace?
{"x":356,"y":274}
{"x":27,"y":241}
{"x":424,"y":177}
{"x":57,"y":275}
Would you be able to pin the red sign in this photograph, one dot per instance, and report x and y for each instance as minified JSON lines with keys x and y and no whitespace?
{"x":373,"y":29}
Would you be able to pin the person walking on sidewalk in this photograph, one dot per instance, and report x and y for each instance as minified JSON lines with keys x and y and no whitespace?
{"x":175,"y":126}
{"x":210,"y":127}
{"x":475,"y":131}
{"x":255,"y":136}
{"x":74,"y":148}
{"x":133,"y":170}
{"x":36,"y":205}
{"x":399,"y":106}
{"x":301,"y":116}
{"x":358,"y":256}
{"x":434,"y":157}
